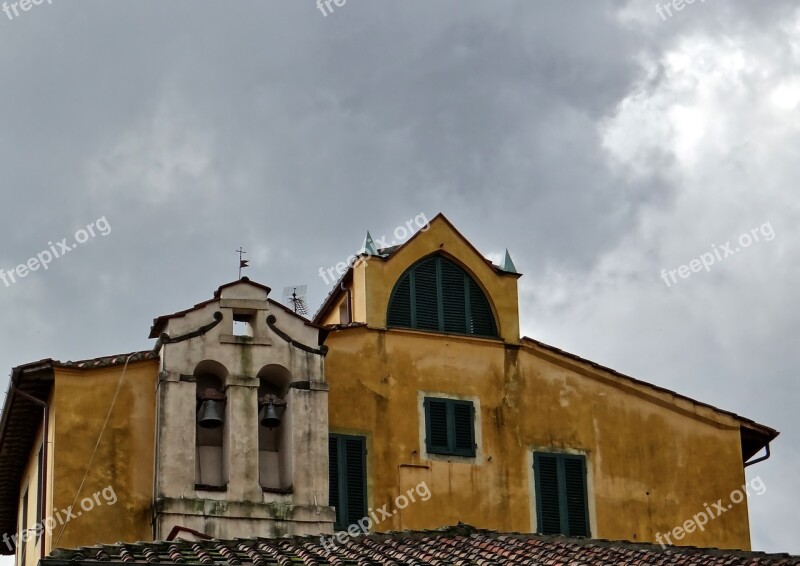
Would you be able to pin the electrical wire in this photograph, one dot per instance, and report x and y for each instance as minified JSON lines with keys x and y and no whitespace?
{"x":97,"y":444}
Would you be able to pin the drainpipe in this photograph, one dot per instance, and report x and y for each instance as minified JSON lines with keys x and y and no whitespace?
{"x":43,"y":488}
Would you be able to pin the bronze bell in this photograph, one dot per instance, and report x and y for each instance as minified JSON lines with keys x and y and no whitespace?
{"x":268,"y":416}
{"x":210,"y":414}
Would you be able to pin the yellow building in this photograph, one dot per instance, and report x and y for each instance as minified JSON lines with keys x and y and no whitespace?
{"x":649,"y":459}
{"x":426,"y":389}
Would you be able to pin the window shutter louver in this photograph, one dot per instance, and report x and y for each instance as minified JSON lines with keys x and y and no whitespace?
{"x":437,"y":294}
{"x":463,"y":427}
{"x":450,"y":427}
{"x":426,"y":295}
{"x":347,"y":469}
{"x":333,"y":478}
{"x":547,"y":494}
{"x":482,"y":320}
{"x":454,"y":303}
{"x":575,"y":488}
{"x":355,"y":463}
{"x":436,"y":422}
{"x":400,"y":306}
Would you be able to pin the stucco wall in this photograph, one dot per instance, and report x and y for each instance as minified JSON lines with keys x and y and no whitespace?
{"x":124,"y":458}
{"x":650,"y":467}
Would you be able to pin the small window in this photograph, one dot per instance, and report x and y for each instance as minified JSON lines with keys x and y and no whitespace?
{"x":347,"y":461}
{"x":450,"y":427}
{"x":243,"y":325}
{"x":344,"y":312}
{"x":561,"y":495}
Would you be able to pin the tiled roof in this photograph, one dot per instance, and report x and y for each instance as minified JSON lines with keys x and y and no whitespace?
{"x":108,"y":361}
{"x":462,"y":545}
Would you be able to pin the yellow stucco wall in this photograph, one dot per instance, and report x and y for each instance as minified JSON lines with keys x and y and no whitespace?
{"x":123,"y":464}
{"x":29,"y":484}
{"x":653,"y":460}
{"x":650,"y":467}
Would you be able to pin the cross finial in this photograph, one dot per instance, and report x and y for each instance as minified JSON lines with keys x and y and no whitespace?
{"x":242,"y":262}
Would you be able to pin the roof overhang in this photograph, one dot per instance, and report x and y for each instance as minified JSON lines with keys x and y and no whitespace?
{"x":21,"y":420}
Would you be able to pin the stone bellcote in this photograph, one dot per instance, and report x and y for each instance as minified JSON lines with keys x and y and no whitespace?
{"x":242,"y":419}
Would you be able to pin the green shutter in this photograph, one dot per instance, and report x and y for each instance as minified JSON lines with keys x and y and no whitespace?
{"x":347,"y":470}
{"x":449,"y":427}
{"x":481,"y":318}
{"x":333,"y":479}
{"x":426,"y":295}
{"x":561,"y":496}
{"x":454,"y":300}
{"x":548,"y":507}
{"x":575,"y":490}
{"x":436,"y":424}
{"x":437,"y":294}
{"x":355,"y":455}
{"x":463,"y":428}
{"x":400,"y":305}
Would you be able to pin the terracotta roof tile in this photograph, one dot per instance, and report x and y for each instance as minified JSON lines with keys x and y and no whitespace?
{"x":461,"y":545}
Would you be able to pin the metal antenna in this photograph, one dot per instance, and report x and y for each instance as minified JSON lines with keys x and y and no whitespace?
{"x":242,"y":262}
{"x":295,"y":297}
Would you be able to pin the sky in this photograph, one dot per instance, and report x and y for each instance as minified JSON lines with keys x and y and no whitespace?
{"x":605,"y":143}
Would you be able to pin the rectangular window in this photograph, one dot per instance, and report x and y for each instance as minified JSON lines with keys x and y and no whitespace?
{"x":449,"y":427}
{"x":347,"y":467}
{"x":561,"y":494}
{"x":22,"y":527}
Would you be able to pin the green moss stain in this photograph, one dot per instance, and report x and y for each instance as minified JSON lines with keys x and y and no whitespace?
{"x":245,"y":354}
{"x":280,"y":511}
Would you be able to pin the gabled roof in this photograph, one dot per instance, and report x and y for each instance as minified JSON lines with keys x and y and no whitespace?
{"x":22,"y":418}
{"x":461,"y":545}
{"x":160,"y":322}
{"x":385,"y":254}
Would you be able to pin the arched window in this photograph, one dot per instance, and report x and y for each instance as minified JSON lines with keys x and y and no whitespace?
{"x":436,"y":294}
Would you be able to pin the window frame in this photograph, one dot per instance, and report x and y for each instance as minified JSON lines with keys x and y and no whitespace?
{"x":561,"y":458}
{"x":451,"y":449}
